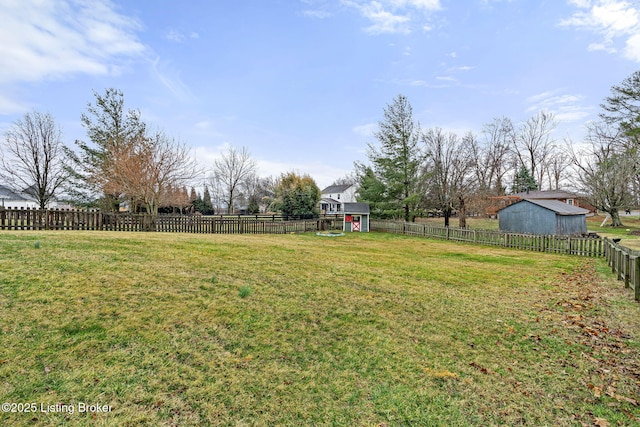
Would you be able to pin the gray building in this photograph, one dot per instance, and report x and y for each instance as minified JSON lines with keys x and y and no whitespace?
{"x":356,"y":217}
{"x":535,"y":216}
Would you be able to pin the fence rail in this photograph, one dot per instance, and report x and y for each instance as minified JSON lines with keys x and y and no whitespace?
{"x":625,"y":264}
{"x":72,"y":219}
{"x":583,"y":246}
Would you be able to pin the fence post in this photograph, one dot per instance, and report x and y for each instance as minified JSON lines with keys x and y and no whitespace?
{"x":636,"y":279}
{"x":626,"y":262}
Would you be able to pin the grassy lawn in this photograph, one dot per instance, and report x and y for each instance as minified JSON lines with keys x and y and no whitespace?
{"x":366,"y":329}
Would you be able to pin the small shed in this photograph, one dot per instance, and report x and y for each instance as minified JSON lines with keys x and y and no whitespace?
{"x":356,"y":217}
{"x":536,"y":216}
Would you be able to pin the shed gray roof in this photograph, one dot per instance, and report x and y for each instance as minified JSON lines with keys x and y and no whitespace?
{"x":556,"y":206}
{"x":336,"y":188}
{"x":356,"y":208}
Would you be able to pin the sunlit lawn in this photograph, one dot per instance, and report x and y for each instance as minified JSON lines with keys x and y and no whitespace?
{"x":365,"y":329}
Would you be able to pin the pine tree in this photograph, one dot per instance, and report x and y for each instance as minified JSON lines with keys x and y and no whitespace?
{"x":397,"y":158}
{"x":523,"y":181}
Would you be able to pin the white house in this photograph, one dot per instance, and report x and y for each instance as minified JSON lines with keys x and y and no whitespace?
{"x":14,"y":199}
{"x":334,"y":197}
{"x":19,"y":199}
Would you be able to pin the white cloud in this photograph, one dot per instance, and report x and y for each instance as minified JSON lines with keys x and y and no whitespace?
{"x":394,"y":16}
{"x":171,"y":80}
{"x":318,"y":14}
{"x":366,"y":130}
{"x":566,"y":108}
{"x":10,"y":106}
{"x":461,"y":68}
{"x":179,"y":37}
{"x":324,"y":174}
{"x":612,"y":20}
{"x":45,"y":39}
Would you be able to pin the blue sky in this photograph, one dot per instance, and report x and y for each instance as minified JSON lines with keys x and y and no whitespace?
{"x":303,"y":83}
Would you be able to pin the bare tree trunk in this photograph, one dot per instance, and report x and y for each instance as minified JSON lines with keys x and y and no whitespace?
{"x":462,"y":218}
{"x":615,"y":218}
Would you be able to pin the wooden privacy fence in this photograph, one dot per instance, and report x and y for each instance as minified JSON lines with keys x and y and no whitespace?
{"x":72,"y":219}
{"x":583,"y":246}
{"x":625,"y":263}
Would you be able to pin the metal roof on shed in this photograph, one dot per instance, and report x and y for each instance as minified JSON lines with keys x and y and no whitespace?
{"x":356,"y":208}
{"x":556,"y":206}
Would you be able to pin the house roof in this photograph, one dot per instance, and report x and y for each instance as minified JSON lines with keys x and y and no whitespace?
{"x":328,"y":200}
{"x":556,"y":206}
{"x":8,"y":194}
{"x":547,"y":194}
{"x":336,"y":188}
{"x":356,"y":208}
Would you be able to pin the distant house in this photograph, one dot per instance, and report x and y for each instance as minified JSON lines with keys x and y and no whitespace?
{"x":499,"y":202}
{"x":13,"y":199}
{"x":542,"y":216}
{"x":333,"y":198}
{"x":10,"y":198}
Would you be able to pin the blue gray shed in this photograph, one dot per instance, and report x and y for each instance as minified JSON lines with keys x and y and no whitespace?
{"x":537,"y":216}
{"x":356,"y":217}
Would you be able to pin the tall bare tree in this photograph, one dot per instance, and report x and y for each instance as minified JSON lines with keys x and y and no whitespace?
{"x":230,"y":172}
{"x":498,"y":138}
{"x":605,"y":170}
{"x":31,"y":159}
{"x":448,"y":166}
{"x":557,"y":168}
{"x":534,"y":144}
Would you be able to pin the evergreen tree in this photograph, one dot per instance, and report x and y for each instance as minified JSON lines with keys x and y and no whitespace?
{"x":397,"y":158}
{"x":523,"y":181}
{"x":208,"y":204}
{"x":109,"y":128}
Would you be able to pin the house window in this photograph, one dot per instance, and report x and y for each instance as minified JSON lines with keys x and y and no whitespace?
{"x":570,"y":201}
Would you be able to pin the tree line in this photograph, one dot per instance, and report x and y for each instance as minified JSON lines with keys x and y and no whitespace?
{"x":413,"y":171}
{"x":124,"y":161}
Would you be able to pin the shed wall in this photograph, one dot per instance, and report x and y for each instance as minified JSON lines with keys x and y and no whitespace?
{"x":527,"y":218}
{"x":571,"y":224}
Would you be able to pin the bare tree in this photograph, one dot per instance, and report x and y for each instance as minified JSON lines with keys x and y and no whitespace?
{"x":494,"y":156}
{"x":31,"y":159}
{"x":348,"y":179}
{"x":557,"y":168}
{"x":448,"y":171}
{"x":148,"y":169}
{"x":231,"y":172}
{"x":604,"y":170}
{"x":534,"y":144}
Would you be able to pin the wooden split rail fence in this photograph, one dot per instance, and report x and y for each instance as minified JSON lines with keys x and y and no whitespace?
{"x":624,"y":262}
{"x":583,"y":246}
{"x":72,"y":219}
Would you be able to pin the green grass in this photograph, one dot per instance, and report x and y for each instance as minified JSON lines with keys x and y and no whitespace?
{"x":368,"y":329}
